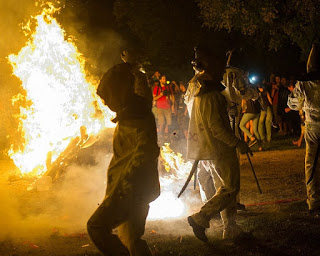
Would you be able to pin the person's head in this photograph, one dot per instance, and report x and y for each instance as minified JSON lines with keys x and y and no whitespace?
{"x":174,"y":86}
{"x":182,"y":87}
{"x":283,"y":81}
{"x":156,"y":75}
{"x":262,"y":86}
{"x":277,"y":79}
{"x":272,"y":78}
{"x":163,"y":80}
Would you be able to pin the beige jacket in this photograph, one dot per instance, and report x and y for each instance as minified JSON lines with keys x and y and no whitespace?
{"x":210,"y":135}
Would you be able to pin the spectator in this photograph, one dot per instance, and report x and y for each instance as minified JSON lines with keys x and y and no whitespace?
{"x":156,"y":84}
{"x":163,"y":96}
{"x":251,"y":110}
{"x":265,"y":118}
{"x":183,"y":117}
{"x":282,"y":105}
{"x":176,"y":93}
{"x":274,"y":96}
{"x":291,"y":117}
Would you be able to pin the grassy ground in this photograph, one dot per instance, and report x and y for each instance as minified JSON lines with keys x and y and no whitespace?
{"x":276,"y":222}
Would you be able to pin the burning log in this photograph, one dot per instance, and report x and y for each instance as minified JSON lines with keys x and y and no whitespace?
{"x":56,"y":169}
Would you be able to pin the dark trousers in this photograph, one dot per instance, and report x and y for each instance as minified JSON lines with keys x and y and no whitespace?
{"x":126,"y":214}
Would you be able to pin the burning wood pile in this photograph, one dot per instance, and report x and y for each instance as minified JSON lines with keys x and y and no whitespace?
{"x":63,"y":113}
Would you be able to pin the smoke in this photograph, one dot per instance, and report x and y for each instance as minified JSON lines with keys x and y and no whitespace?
{"x":63,"y":210}
{"x":95,"y":38}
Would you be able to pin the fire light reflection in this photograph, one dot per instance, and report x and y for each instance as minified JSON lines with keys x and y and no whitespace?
{"x":63,"y":110}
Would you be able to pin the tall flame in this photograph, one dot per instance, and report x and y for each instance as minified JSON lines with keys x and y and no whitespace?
{"x":63,"y":104}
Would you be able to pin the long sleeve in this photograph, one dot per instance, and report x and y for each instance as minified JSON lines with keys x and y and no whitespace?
{"x":218,"y":121}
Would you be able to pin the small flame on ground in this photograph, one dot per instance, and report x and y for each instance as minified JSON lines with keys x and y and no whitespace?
{"x":167,"y":205}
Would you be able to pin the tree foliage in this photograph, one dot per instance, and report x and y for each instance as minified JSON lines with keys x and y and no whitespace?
{"x":167,"y":30}
{"x":274,"y":21}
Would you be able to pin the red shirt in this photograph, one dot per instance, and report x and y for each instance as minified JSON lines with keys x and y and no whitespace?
{"x":164,"y":101}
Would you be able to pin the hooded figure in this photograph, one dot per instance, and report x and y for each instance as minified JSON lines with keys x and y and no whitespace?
{"x":236,"y":81}
{"x":133,"y":180}
{"x":211,"y":138}
{"x":306,"y":96}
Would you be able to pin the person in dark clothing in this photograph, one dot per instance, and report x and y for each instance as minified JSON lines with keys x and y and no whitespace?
{"x":282,"y":105}
{"x":133,"y":180}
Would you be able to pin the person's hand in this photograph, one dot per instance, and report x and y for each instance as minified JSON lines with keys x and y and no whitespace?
{"x":287,"y":110}
{"x":243,"y":147}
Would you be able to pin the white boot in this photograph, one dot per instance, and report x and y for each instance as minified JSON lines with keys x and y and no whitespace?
{"x":232,"y":232}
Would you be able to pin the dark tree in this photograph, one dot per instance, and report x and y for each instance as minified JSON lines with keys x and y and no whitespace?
{"x":272,"y":21}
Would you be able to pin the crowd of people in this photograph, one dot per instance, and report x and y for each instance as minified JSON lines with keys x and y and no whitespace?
{"x":260,"y":120}
{"x":169,"y":108}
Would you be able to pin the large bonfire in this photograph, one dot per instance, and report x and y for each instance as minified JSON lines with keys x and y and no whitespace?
{"x":64,"y":111}
{"x":62,"y":105}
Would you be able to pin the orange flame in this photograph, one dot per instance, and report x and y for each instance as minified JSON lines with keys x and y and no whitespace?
{"x":168,"y":205}
{"x":63,"y":104}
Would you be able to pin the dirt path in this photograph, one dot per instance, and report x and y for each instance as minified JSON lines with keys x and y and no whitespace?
{"x":31,"y":223}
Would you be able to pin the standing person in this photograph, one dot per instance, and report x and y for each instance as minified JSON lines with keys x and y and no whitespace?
{"x":183,"y":118}
{"x":265,"y":119}
{"x":306,"y":96}
{"x":133,"y":180}
{"x":282,"y":104}
{"x":211,"y":138}
{"x":251,"y":109}
{"x":290,"y":117}
{"x":236,"y":82}
{"x":163,"y":96}
{"x":274,"y":96}
{"x":175,"y":95}
{"x":156,"y":83}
